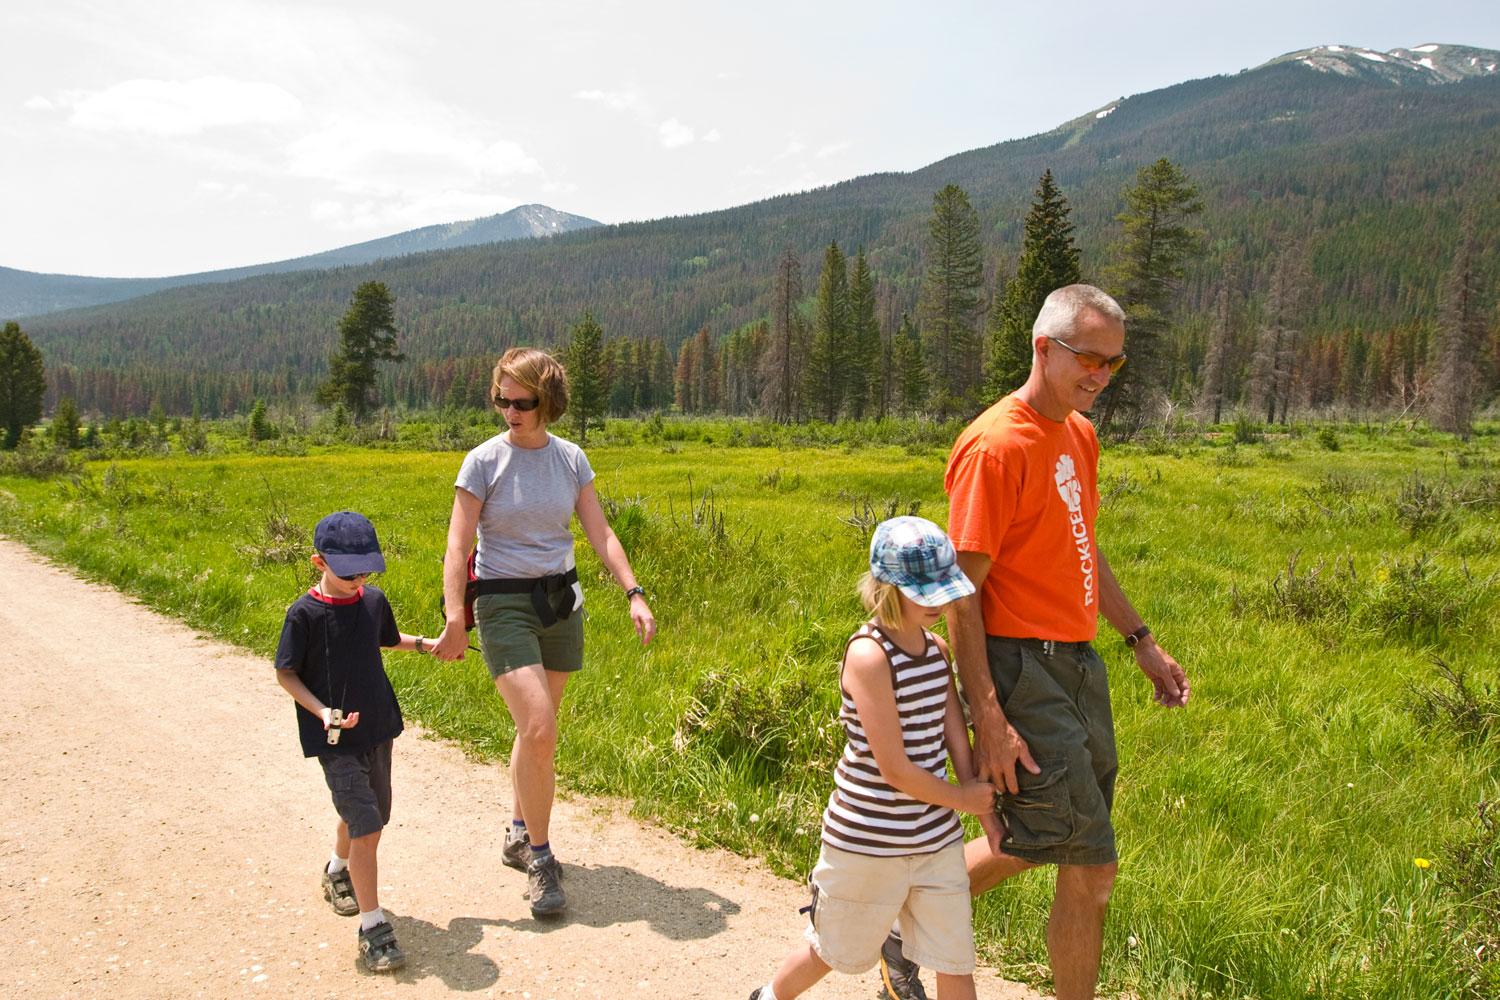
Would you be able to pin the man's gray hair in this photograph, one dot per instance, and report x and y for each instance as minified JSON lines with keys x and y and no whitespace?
{"x":1059,"y":315}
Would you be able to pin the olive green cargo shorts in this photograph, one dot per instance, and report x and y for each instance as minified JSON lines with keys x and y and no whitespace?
{"x":1056,"y":695}
{"x":512,"y":636}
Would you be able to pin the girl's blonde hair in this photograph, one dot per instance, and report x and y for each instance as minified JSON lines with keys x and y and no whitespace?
{"x":538,"y":372}
{"x":883,"y":600}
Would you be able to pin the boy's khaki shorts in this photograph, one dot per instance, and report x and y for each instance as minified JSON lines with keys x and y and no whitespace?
{"x":856,"y":899}
{"x":511,"y":635}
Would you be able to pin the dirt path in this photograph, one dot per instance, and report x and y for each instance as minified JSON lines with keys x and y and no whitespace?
{"x":160,"y":836}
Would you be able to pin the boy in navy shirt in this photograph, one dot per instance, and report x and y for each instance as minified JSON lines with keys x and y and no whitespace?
{"x":329,"y":660}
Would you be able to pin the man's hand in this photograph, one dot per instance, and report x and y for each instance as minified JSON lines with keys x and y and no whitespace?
{"x":1167,"y":677}
{"x":997,"y":748}
{"x":452,"y":643}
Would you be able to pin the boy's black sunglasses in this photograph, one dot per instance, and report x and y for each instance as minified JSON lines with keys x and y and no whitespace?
{"x":522,"y":405}
{"x":356,"y":576}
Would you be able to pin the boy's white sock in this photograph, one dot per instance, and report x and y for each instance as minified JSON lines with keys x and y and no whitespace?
{"x":373,"y":918}
{"x":337,"y":864}
{"x":766,"y":993}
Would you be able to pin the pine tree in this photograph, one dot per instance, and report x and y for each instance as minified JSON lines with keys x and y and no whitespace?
{"x":1156,"y":245}
{"x":781,"y":365}
{"x":685,"y":393}
{"x":911,"y":376}
{"x":1216,"y":358}
{"x":1461,"y":341}
{"x":259,"y":427}
{"x":65,"y":433}
{"x":23,"y":383}
{"x":587,"y":388}
{"x":863,"y":367}
{"x":952,"y":298}
{"x":367,"y":335}
{"x":1278,"y":344}
{"x":706,"y":378}
{"x":826,"y":377}
{"x":1049,"y":260}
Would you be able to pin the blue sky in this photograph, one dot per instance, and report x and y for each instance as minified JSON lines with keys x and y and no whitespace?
{"x":148,"y":137}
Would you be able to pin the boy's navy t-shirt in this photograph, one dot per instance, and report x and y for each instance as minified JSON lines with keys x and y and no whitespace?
{"x":334,"y":646}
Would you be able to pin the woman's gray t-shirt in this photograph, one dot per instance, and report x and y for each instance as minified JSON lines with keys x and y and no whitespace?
{"x":529,"y":496}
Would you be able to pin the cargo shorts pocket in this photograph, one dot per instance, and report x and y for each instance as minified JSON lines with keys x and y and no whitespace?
{"x":1041,"y":813}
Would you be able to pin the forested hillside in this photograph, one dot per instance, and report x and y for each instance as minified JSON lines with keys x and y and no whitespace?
{"x":1366,"y":176}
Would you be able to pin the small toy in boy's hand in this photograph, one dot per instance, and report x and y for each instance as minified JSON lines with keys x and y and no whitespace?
{"x":335,"y":725}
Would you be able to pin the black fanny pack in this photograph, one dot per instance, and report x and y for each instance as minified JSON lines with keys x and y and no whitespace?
{"x":551,"y":596}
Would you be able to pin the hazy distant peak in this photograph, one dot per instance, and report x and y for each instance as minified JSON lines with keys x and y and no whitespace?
{"x":1425,"y":64}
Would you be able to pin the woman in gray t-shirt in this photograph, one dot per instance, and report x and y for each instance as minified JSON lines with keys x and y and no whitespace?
{"x":519,"y":491}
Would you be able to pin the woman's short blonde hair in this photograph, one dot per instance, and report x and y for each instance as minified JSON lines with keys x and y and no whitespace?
{"x":540,"y":373}
{"x":883,"y":600}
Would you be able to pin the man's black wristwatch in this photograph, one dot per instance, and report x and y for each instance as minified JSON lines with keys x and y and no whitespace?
{"x":637,"y":589}
{"x":1135,"y":637}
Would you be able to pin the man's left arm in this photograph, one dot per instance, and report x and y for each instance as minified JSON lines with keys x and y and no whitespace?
{"x":1165,"y":674}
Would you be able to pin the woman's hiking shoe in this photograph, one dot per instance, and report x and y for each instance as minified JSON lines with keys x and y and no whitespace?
{"x":338,"y":889}
{"x":378,"y":947}
{"x":517,"y":851}
{"x":544,"y":888}
{"x":898,"y":974}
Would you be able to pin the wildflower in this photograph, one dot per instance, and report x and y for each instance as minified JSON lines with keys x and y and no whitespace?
{"x":1421,"y":862}
{"x":1132,"y":942}
{"x":755,"y":817}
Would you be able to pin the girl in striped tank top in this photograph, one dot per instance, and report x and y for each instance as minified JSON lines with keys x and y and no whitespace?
{"x":892,"y":853}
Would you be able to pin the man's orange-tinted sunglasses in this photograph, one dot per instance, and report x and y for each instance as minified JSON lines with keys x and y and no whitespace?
{"x":1091,"y":360}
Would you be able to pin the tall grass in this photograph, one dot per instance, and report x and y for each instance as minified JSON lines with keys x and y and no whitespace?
{"x":1268,"y":832}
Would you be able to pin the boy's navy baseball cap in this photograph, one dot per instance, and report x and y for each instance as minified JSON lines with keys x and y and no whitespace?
{"x":348,"y":545}
{"x":915,"y":555}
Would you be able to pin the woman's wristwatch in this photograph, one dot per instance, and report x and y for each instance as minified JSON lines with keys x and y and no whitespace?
{"x":637,"y":589}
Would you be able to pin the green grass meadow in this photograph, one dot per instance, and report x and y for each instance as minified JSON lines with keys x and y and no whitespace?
{"x":1315,"y":586}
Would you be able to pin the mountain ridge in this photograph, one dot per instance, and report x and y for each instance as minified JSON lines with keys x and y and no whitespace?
{"x":30,"y":293}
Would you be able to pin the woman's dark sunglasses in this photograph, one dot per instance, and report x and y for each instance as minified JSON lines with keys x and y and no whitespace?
{"x":1091,"y":360}
{"x":521,"y":405}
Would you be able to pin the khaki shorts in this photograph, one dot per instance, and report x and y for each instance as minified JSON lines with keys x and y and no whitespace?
{"x":511,"y":635}
{"x":857,"y":897}
{"x":1056,"y":695}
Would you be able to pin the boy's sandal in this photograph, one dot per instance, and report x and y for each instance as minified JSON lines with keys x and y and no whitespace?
{"x":338,"y":889}
{"x":379,"y":949}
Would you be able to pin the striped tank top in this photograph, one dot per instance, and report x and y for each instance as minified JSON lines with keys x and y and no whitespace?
{"x":865,"y":815}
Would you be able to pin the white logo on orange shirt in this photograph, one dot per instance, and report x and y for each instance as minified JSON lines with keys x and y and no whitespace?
{"x":1071,"y":491}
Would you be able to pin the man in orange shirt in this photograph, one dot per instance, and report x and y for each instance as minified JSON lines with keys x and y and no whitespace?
{"x":1022,"y":483}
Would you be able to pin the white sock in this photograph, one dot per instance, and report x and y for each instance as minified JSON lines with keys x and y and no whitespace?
{"x":337,"y":864}
{"x":373,"y":918}
{"x":766,"y":993}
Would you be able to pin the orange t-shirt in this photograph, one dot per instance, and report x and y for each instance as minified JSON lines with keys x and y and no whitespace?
{"x":1024,"y":490}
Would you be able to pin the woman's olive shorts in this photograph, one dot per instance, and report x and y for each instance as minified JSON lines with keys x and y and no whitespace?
{"x":512,"y":636}
{"x":1056,"y":695}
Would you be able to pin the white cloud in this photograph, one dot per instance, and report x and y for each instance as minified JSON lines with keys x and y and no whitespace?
{"x":181,"y":107}
{"x":831,"y":149}
{"x":615,"y":100}
{"x":39,"y":103}
{"x":673,"y":133}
